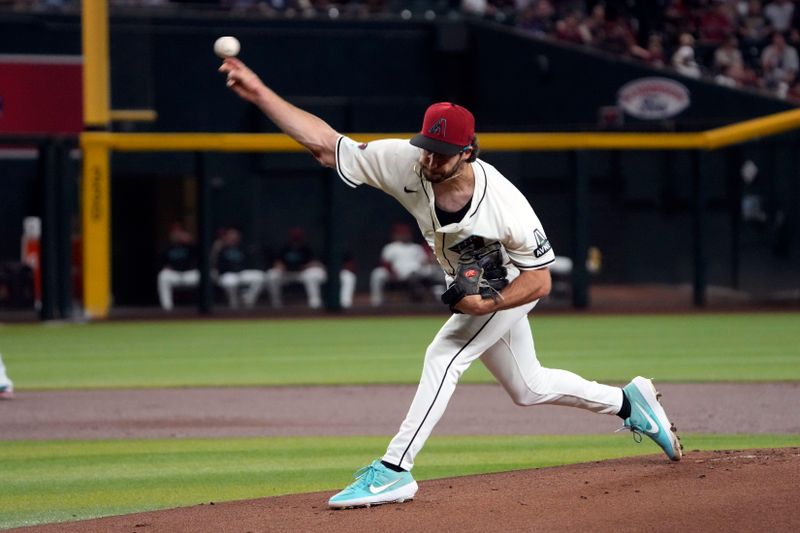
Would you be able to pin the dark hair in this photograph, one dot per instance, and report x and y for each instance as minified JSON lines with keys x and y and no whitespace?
{"x":476,"y":150}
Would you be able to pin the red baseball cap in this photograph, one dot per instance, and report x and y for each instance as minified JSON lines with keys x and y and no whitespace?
{"x":447,"y":129}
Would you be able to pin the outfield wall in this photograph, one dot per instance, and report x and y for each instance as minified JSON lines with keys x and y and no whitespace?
{"x":379,"y":77}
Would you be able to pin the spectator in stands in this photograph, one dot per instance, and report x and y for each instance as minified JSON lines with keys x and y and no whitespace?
{"x":591,"y":29}
{"x":678,"y":19}
{"x":779,"y":62}
{"x":475,"y":7}
{"x":716,"y":23}
{"x":793,"y":39}
{"x":407,"y":262}
{"x":618,"y":38}
{"x":569,"y":28}
{"x":178,"y":266}
{"x":41,"y":5}
{"x":780,"y":13}
{"x":753,"y":27}
{"x":497,"y":9}
{"x":655,"y":51}
{"x":297,"y":263}
{"x":233,"y":274}
{"x":726,"y":55}
{"x":266,"y":7}
{"x":737,"y":75}
{"x":538,"y":17}
{"x":683,"y":59}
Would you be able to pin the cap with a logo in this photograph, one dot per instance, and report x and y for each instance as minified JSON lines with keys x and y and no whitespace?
{"x":447,"y":129}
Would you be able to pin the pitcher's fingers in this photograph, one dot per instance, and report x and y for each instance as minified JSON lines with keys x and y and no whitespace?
{"x":233,"y":62}
{"x":229,"y":66}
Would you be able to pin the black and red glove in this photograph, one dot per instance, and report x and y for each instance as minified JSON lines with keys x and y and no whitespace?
{"x":479,"y":272}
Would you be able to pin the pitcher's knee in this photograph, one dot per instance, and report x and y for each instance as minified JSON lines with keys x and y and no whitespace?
{"x":531,"y":391}
{"x":527,"y":397}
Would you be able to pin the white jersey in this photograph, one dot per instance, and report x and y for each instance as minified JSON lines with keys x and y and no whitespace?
{"x":498,"y":210}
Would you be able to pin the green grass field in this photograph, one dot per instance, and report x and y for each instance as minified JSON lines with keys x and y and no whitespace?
{"x":733,"y":347}
{"x":50,"y":481}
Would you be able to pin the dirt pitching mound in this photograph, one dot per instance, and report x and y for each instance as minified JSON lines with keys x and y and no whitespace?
{"x":741,"y":490}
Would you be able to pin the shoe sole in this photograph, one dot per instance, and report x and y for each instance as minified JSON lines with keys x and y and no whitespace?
{"x":653,"y":398}
{"x":400,"y":495}
{"x":6,"y":394}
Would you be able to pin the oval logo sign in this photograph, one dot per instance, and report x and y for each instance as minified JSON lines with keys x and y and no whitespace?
{"x":653,"y":98}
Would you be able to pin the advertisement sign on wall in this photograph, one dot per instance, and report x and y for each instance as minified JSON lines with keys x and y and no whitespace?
{"x":653,"y":98}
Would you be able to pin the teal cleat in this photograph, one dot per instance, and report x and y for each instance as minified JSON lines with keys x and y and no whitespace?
{"x":648,"y":417}
{"x":375,"y":484}
{"x":6,"y":386}
{"x":6,"y":392}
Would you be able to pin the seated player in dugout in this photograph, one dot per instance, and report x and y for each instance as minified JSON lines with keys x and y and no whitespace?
{"x":178,"y":265}
{"x":233,"y":271}
{"x":495,"y":254}
{"x":297,"y":263}
{"x":405,"y":262}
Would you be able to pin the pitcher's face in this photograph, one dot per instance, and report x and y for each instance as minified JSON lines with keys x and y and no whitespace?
{"x":437,"y":168}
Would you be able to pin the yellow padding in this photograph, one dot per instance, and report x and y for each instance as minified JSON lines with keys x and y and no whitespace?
{"x":134,"y":115}
{"x":278,"y":142}
{"x":94,"y":38}
{"x":96,"y":217}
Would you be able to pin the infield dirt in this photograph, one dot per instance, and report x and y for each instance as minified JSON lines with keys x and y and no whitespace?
{"x":744,"y":490}
{"x":290,"y":411}
{"x":707,"y":491}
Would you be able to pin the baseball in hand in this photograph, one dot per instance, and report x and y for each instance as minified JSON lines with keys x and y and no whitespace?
{"x":227,"y":46}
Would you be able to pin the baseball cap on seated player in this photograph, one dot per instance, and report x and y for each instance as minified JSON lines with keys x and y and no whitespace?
{"x":447,"y":129}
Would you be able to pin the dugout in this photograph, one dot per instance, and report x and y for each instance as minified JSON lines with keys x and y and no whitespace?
{"x":641,"y":203}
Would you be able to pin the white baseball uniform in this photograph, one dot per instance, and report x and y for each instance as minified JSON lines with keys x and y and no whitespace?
{"x":503,"y":340}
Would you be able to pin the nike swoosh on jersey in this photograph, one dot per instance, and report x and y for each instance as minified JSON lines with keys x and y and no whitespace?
{"x":409,"y":191}
{"x":377,"y":490}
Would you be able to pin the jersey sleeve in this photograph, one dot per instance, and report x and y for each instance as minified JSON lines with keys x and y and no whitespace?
{"x":371,"y":163}
{"x":527,"y":245}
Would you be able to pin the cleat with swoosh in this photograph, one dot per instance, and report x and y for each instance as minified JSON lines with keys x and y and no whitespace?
{"x":649,"y":418}
{"x":374,"y":485}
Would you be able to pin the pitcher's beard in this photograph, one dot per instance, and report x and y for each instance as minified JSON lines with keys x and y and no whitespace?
{"x":441,"y":178}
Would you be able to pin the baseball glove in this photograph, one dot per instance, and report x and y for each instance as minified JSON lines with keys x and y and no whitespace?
{"x":479,"y":272}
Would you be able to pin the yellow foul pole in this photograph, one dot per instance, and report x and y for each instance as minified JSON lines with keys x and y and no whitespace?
{"x":95,"y":183}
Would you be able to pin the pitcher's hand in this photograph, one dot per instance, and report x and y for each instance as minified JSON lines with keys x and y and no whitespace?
{"x":242,"y":80}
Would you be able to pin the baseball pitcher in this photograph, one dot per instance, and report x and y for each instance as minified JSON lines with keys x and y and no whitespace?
{"x":495,"y":254}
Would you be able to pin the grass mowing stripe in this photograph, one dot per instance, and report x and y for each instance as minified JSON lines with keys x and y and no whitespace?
{"x":696,"y":347}
{"x":49,"y":481}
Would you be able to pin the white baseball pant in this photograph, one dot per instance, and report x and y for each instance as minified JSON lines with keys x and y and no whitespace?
{"x":232,"y":282}
{"x":312,"y":279}
{"x":504,"y":343}
{"x":169,"y":279}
